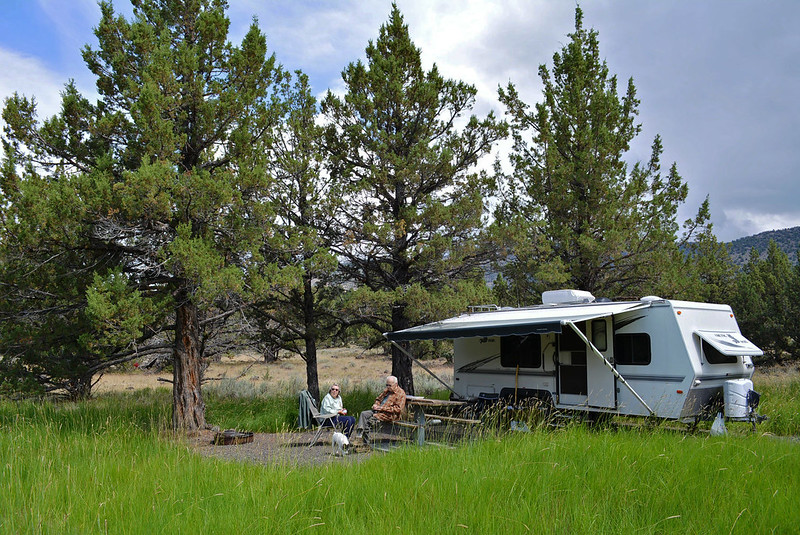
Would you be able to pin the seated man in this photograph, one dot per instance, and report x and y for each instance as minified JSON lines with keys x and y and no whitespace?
{"x":388,"y":407}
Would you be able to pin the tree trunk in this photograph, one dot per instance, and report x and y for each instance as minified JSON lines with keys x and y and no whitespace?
{"x":401,"y":364}
{"x":188,"y":409}
{"x":79,"y":387}
{"x":312,"y":376}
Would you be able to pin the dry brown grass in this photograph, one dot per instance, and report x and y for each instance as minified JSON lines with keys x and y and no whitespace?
{"x":776,"y":375}
{"x":349,"y":365}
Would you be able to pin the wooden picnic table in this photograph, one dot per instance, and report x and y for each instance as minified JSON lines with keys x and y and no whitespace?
{"x":419,"y":406}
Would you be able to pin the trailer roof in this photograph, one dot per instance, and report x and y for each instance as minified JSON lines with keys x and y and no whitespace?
{"x":517,"y":321}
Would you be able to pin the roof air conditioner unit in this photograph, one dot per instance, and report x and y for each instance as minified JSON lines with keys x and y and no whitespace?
{"x":564,"y":297}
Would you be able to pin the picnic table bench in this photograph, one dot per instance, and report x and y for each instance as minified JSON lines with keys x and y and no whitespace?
{"x":424,"y":413}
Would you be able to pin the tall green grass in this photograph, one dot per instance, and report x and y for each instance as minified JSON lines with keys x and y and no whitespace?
{"x":780,"y":401}
{"x":109,"y":466}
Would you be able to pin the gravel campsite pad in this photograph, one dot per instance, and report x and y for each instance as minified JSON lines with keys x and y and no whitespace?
{"x":276,"y":449}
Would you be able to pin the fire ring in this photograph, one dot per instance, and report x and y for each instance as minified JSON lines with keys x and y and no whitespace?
{"x":231,"y":436}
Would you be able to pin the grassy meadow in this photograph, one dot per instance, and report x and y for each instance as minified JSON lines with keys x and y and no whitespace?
{"x":110,"y":466}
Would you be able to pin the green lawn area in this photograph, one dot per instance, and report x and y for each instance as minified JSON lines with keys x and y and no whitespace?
{"x":109,"y":466}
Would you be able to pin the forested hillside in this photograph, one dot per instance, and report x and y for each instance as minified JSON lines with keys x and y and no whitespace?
{"x":788,"y":241}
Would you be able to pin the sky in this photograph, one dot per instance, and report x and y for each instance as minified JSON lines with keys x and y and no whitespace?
{"x":718,"y":80}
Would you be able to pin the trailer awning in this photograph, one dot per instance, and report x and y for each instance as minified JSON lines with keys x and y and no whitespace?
{"x":519,"y":321}
{"x":730,"y":344}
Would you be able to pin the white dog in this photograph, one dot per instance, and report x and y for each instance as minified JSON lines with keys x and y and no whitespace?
{"x":339,"y":443}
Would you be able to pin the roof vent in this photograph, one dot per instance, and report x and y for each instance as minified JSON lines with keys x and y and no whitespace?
{"x":566,"y":297}
{"x":650,"y":298}
{"x":473,"y":309}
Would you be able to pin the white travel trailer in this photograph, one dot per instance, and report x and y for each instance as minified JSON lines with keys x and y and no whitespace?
{"x":669,"y":359}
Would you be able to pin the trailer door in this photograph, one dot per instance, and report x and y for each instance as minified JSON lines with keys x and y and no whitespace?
{"x":600,"y":381}
{"x":572,"y":369}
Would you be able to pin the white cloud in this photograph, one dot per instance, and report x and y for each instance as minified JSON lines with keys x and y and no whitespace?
{"x":72,"y":24}
{"x":320,"y":38}
{"x":27,"y":76}
{"x":30,"y":77}
{"x":745,"y":222}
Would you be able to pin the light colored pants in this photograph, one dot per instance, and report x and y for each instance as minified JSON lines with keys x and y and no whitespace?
{"x":365,"y":421}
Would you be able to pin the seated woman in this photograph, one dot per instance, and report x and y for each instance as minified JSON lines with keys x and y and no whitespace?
{"x":332,"y":404}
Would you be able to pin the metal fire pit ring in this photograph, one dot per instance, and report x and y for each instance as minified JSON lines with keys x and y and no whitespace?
{"x":231,"y":436}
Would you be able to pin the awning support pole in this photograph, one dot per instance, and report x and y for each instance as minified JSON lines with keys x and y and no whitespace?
{"x":421,"y":365}
{"x":608,"y":365}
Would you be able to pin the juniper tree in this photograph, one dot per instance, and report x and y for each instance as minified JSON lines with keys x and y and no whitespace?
{"x":765,"y":302}
{"x":163,"y":179}
{"x":414,"y":207}
{"x":296,"y":314}
{"x":574,"y":214}
{"x":709,"y":272}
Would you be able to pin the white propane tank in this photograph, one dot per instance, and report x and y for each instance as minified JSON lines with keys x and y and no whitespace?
{"x":735,"y":393}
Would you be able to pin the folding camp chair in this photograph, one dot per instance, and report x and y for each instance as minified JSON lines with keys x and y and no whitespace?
{"x":322,"y":420}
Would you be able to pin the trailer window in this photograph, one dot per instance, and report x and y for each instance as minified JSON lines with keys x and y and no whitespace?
{"x":715,"y":357}
{"x":522,"y":351}
{"x":633,"y":348}
{"x":599,"y":338}
{"x":569,"y":340}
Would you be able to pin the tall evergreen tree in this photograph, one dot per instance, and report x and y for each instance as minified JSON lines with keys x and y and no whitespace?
{"x":709,"y":272}
{"x":793,"y":325}
{"x":573,"y":214}
{"x":414,"y":209}
{"x":763,"y":302}
{"x":307,"y":202}
{"x":164,"y":178}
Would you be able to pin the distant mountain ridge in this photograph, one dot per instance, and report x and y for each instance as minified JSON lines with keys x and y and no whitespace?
{"x":788,"y":241}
